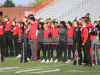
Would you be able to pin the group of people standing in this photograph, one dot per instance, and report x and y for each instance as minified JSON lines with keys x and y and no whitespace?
{"x":47,"y":36}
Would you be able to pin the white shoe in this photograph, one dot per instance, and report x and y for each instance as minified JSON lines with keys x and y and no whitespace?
{"x":19,"y":56}
{"x":47,"y":61}
{"x":51,"y":61}
{"x":68,"y":61}
{"x":43,"y":61}
{"x":28,"y":59}
{"x":55,"y":61}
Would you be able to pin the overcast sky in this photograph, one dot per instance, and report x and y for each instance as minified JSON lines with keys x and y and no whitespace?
{"x":17,"y":2}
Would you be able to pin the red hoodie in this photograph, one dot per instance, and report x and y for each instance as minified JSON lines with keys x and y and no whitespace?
{"x":1,"y":29}
{"x":15,"y":30}
{"x":55,"y":32}
{"x":70,"y":33}
{"x":46,"y":33}
{"x":32,"y":31}
{"x":8,"y":26}
{"x":84,"y":34}
{"x":91,"y":26}
{"x":19,"y":32}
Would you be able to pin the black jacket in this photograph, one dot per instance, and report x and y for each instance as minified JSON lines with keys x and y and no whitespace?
{"x":62,"y":34}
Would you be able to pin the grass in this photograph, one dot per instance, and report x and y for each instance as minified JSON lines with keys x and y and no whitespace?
{"x":26,"y":67}
{"x":15,"y":62}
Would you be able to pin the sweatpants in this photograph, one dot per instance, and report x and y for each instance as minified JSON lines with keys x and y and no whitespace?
{"x":87,"y":53}
{"x":33,"y":46}
{"x":46,"y":47}
{"x":7,"y":42}
{"x":16,"y":44}
{"x":29,"y":52}
{"x":70,"y":47}
{"x":39,"y":47}
{"x":57,"y":50}
{"x":79,"y":50}
{"x":62,"y":46}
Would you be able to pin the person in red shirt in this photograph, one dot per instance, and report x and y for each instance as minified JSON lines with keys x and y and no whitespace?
{"x":69,"y":40}
{"x":7,"y":37}
{"x":33,"y":38}
{"x":1,"y":34}
{"x":15,"y":33}
{"x":54,"y":41}
{"x":46,"y":42}
{"x":86,"y":42}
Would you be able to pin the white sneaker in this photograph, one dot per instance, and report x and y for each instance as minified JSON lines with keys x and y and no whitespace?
{"x":55,"y":61}
{"x":47,"y":61}
{"x":42,"y":61}
{"x":28,"y":59}
{"x":19,"y":56}
{"x":68,"y":61}
{"x":51,"y":61}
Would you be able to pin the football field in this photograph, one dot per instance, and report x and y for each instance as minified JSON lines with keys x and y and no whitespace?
{"x":12,"y":66}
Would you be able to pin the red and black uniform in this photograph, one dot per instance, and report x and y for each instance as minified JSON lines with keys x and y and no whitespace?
{"x":55,"y":42}
{"x":77,"y":42}
{"x":8,"y":39}
{"x":46,"y":42}
{"x":87,"y":43}
{"x":33,"y":40}
{"x":15,"y":33}
{"x":70,"y":41}
{"x":1,"y":36}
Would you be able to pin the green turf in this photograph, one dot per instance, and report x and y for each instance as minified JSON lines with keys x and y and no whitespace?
{"x":15,"y":62}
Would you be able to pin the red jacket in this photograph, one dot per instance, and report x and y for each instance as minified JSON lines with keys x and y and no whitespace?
{"x":1,"y":29}
{"x":91,"y":26}
{"x":32,"y":32}
{"x":46,"y":33}
{"x":19,"y":32}
{"x":8,"y":25}
{"x":55,"y":32}
{"x":15,"y":30}
{"x":84,"y":34}
{"x":70,"y":33}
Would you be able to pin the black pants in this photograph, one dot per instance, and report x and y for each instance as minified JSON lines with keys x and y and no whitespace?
{"x":57,"y":50}
{"x":46,"y":47}
{"x":78,"y":44}
{"x":1,"y":42}
{"x":19,"y":47}
{"x":39,"y":47}
{"x":62,"y":46}
{"x":29,"y":52}
{"x":87,"y":52}
{"x":70,"y":47}
{"x":7,"y":42}
{"x":16,"y":45}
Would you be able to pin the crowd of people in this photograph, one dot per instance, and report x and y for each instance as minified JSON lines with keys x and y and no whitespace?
{"x":47,"y":36}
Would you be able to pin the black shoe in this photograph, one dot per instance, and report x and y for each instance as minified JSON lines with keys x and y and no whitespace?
{"x":64,"y":61}
{"x":59,"y":61}
{"x":10,"y":56}
{"x":89,"y":65}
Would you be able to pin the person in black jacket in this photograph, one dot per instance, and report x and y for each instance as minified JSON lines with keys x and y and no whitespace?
{"x":40,"y":40}
{"x":62,"y":41}
{"x":77,"y":40}
{"x":98,"y":26}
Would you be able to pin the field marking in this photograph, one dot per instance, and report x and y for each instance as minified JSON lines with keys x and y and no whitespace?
{"x":75,"y":71}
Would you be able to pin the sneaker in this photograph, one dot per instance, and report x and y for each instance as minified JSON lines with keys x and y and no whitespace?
{"x":59,"y":61}
{"x":64,"y":61}
{"x":55,"y":61}
{"x":51,"y":61}
{"x":47,"y":61}
{"x":43,"y":61}
{"x":19,"y":56}
{"x":39,"y":60}
{"x":28,"y":59}
{"x":69,"y":61}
